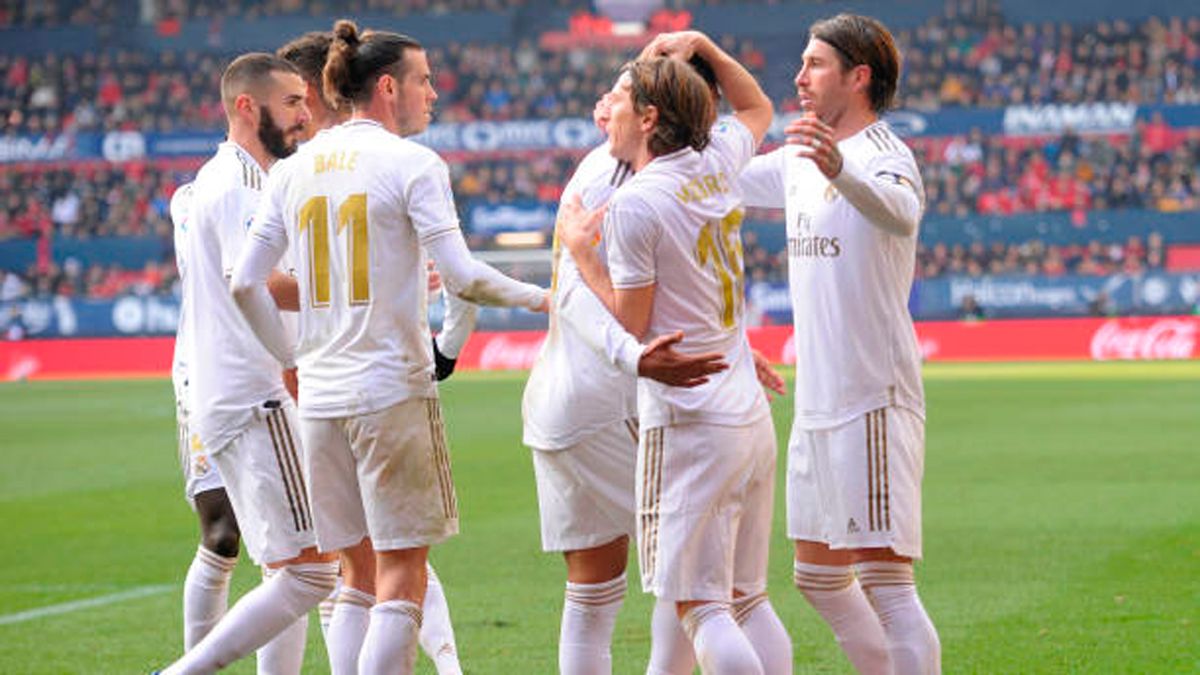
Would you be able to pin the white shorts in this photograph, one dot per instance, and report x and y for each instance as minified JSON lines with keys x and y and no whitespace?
{"x":585,"y":492}
{"x":383,"y":475}
{"x":859,"y":485}
{"x":705,"y":494}
{"x":199,"y":474}
{"x":266,"y":487}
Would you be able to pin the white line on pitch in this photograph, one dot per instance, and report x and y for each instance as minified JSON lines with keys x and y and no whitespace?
{"x":77,"y":605}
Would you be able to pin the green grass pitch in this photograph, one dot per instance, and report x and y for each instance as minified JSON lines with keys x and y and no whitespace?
{"x":1062,"y":528}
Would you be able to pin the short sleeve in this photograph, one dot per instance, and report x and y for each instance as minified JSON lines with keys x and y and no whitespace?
{"x":731,"y":144}
{"x":631,"y":233}
{"x":762,"y":180}
{"x":430,"y":201}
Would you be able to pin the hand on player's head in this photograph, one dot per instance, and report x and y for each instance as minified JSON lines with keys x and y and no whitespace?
{"x":662,"y":363}
{"x":680,"y":45}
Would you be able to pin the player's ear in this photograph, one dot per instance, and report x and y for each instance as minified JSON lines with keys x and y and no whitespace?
{"x":862,"y":77}
{"x":244,"y":103}
{"x":649,"y":118}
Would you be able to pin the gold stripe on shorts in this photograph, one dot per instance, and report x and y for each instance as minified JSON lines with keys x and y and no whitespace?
{"x":870,"y":472}
{"x":441,"y":458}
{"x":651,"y":499}
{"x":283,"y":473}
{"x":887,"y":506}
{"x":632,"y":425}
{"x":293,"y":459}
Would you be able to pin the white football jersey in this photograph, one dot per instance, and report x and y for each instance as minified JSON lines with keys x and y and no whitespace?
{"x":856,"y":349}
{"x":181,"y":204}
{"x":677,"y":224}
{"x":356,"y":203}
{"x":574,"y":390}
{"x":229,"y":371}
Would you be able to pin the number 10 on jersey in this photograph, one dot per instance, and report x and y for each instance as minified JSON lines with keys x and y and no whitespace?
{"x":314,"y":230}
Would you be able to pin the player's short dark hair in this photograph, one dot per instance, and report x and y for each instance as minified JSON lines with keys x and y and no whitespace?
{"x":863,"y":41}
{"x":686,"y":111}
{"x":308,"y":53}
{"x":250,"y":71}
{"x":356,"y":61}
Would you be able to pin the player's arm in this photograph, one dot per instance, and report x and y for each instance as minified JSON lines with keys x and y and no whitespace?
{"x":431,"y":209}
{"x":761,"y":181}
{"x":457,"y":325}
{"x":750,"y":105}
{"x":266,"y":242}
{"x":885,"y":191}
{"x":285,"y":290}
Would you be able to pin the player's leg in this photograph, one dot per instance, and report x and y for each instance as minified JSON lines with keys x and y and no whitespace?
{"x":284,"y":654}
{"x":670,"y":648}
{"x":752,"y":608}
{"x":408,"y":496}
{"x":690,"y":478}
{"x":586,"y":508}
{"x":895,"y":438}
{"x":437,"y":631}
{"x":206,"y":587}
{"x":825,"y":576}
{"x":265,"y":484}
{"x":352,"y":608}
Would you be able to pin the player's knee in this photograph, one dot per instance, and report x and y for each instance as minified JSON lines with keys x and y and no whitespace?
{"x":221,"y":536}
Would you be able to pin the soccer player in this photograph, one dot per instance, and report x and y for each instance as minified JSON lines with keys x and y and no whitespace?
{"x":364,"y":205}
{"x":853,"y":197}
{"x":706,"y":463}
{"x":240,"y":409}
{"x":206,"y":587}
{"x":580,"y":414}
{"x":345,"y":615}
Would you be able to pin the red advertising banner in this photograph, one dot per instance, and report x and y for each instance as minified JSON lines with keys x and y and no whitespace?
{"x":1133,"y":338}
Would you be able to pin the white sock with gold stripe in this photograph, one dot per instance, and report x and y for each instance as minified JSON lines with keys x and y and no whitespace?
{"x":670,"y":648}
{"x":912,"y":638}
{"x":437,"y":633}
{"x":258,"y":616}
{"x":325,"y":610}
{"x":284,"y":654}
{"x":720,"y":644}
{"x":589,"y":614}
{"x":765,"y":631}
{"x":205,"y":594}
{"x":833,"y":591}
{"x":348,"y":629}
{"x":391,"y":644}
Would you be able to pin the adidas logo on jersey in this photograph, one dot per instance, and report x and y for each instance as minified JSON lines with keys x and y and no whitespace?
{"x":851,"y":527}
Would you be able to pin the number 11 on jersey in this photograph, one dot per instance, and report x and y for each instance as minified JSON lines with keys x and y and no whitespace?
{"x":314,"y":226}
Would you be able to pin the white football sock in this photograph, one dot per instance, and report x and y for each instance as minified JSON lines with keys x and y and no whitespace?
{"x":670,"y":648}
{"x":837,"y":596}
{"x":205,"y":594}
{"x":348,"y":629}
{"x":437,"y":633}
{"x":284,"y":654}
{"x":589,"y":613}
{"x":912,"y":638}
{"x":391,"y":644}
{"x":259,"y":616}
{"x":765,"y":631}
{"x":721,"y":646}
{"x":325,"y":610}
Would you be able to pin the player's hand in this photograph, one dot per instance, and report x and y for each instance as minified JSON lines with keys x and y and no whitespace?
{"x":434,"y":279}
{"x":579,"y":228}
{"x":771,"y":380}
{"x":291,"y":382}
{"x":680,"y":45}
{"x":815,"y":141}
{"x":662,"y":363}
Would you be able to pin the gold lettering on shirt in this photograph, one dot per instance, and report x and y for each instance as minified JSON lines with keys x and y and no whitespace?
{"x":339,"y":160}
{"x":703,"y":187}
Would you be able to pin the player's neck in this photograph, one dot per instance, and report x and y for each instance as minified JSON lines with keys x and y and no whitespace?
{"x":853,"y":121}
{"x":248,"y":140}
{"x":641,"y":159}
